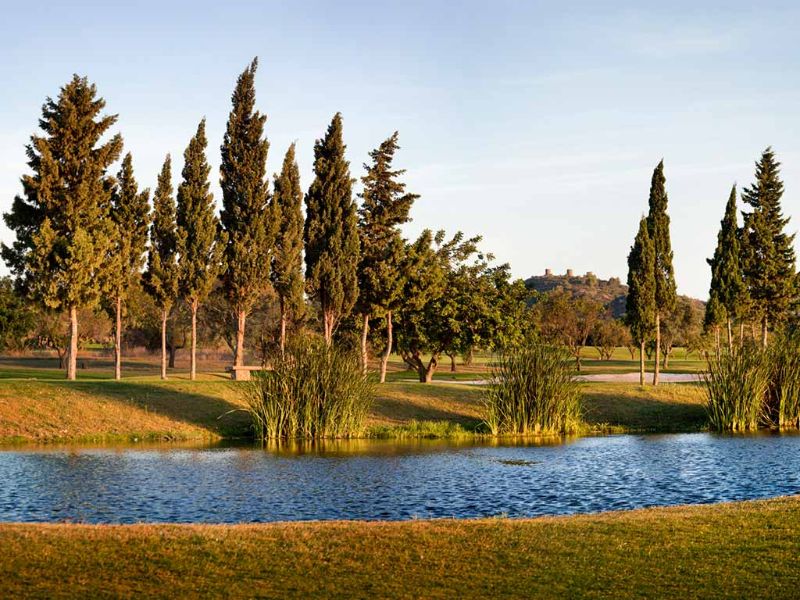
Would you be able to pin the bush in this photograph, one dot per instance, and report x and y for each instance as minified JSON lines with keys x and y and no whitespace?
{"x":312,"y":392}
{"x":534,"y":391}
{"x":736,"y":388}
{"x":783,"y":400}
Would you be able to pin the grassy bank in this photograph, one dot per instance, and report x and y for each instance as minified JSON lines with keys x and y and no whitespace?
{"x":145,"y":408}
{"x":749,"y":549}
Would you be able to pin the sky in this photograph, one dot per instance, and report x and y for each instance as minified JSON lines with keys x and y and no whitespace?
{"x":534,"y":124}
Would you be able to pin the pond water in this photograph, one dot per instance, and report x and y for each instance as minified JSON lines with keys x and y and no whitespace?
{"x":392,"y":480}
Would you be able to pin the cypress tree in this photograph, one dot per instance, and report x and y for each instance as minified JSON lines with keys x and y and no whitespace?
{"x":658,"y":230}
{"x":640,"y":305}
{"x":331,"y":232}
{"x":769,"y":262}
{"x":245,"y":210}
{"x":62,"y":226}
{"x":727,"y":294}
{"x":384,"y":208}
{"x":161,"y":276}
{"x":201,"y":241}
{"x":130,"y":211}
{"x":287,"y":260}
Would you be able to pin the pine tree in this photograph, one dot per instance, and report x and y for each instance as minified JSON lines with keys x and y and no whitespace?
{"x":331,"y":232}
{"x":658,"y":230}
{"x":201,"y":242}
{"x":245,"y":213}
{"x":287,"y":260}
{"x":727,"y":294}
{"x":384,"y":208}
{"x":161,"y":276}
{"x":62,"y":221}
{"x":130,"y":212}
{"x":640,"y":307}
{"x":769,"y":262}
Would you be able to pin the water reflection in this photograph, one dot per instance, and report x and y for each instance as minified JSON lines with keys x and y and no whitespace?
{"x":390,"y":479}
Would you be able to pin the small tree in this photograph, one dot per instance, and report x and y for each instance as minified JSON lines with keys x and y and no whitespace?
{"x":385,"y":207}
{"x":568,"y":320}
{"x":287,"y":260}
{"x":246,"y":216}
{"x":658,"y":230}
{"x":640,"y":303}
{"x":62,"y":222}
{"x":201,"y":242}
{"x":130,"y":216}
{"x":769,"y":260}
{"x":161,"y":277}
{"x":331,"y":232}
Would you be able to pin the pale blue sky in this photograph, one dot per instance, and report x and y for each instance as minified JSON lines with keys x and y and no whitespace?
{"x":534,"y":125}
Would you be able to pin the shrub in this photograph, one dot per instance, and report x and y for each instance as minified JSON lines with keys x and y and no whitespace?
{"x":312,"y":392}
{"x":736,"y":388}
{"x":783,"y":400}
{"x":533,"y":391}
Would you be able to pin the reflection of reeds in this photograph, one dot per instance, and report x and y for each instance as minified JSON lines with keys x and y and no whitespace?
{"x":533,"y":391}
{"x":313,"y":392}
{"x":736,"y":387}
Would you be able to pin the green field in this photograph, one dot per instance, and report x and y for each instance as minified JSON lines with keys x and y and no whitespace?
{"x":741,"y":550}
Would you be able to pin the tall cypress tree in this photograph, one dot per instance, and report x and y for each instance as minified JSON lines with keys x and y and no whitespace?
{"x":769,"y":261}
{"x":727,"y":294}
{"x":658,"y":230}
{"x":331,"y":232}
{"x":130,"y":212}
{"x":201,"y":241}
{"x":385,"y":207}
{"x":245,"y":210}
{"x":62,"y":220}
{"x":161,"y":276}
{"x":640,"y":305}
{"x":287,"y":260}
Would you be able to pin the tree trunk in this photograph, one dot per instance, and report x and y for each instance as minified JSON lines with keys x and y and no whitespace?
{"x":388,"y":351}
{"x":431,"y":369}
{"x":72,"y":357}
{"x":327,"y":318}
{"x":716,"y":342}
{"x":764,"y":332}
{"x":173,"y":350}
{"x":741,"y":333}
{"x":283,"y":327}
{"x":452,"y":363}
{"x":164,"y":313}
{"x":193,"y":357}
{"x":364,"y":350}
{"x":469,"y":356}
{"x":641,"y":363}
{"x":730,"y":336}
{"x":238,"y":354}
{"x":578,"y":361}
{"x":658,"y":349}
{"x":118,"y":339}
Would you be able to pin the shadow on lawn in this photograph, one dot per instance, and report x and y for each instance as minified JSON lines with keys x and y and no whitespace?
{"x":397,"y":410}
{"x":211,"y":412}
{"x":643,"y":413}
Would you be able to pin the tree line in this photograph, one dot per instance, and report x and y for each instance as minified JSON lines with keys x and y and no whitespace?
{"x":754,"y":283}
{"x":88,"y":237}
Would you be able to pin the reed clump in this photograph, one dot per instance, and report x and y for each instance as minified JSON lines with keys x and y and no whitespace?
{"x":533,"y":391}
{"x":312,"y":392}
{"x":736,"y":389}
{"x":783,"y":397}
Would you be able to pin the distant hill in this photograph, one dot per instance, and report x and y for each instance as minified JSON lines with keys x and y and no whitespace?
{"x":608,"y":292}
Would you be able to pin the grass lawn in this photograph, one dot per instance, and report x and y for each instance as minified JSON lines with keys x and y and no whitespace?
{"x":146,"y":408}
{"x":749,"y":549}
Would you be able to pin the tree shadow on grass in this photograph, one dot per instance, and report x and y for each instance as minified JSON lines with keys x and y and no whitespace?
{"x":219,"y":411}
{"x":401,"y":410}
{"x":643,"y":413}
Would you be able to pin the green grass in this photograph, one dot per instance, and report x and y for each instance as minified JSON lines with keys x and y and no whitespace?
{"x":741,"y":550}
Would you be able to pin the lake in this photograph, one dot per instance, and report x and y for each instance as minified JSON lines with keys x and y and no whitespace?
{"x":392,"y":479}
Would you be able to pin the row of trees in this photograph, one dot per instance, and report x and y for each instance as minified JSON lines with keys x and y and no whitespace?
{"x":85,"y":237}
{"x":753,"y":276}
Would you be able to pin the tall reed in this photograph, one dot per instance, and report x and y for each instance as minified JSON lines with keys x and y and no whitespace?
{"x":736,"y":389}
{"x":313,"y":391}
{"x":783,"y":401}
{"x":533,"y":391}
